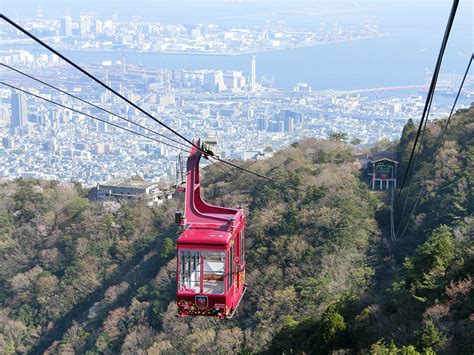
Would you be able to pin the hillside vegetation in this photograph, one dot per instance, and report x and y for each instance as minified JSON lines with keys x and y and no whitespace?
{"x":323,"y":273}
{"x":421,"y":298}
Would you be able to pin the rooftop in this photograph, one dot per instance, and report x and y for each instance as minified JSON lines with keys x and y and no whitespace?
{"x":210,"y":234}
{"x":137,"y":184}
{"x":385,"y":155}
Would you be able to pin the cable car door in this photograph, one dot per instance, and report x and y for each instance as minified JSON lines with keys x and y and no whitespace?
{"x":241,"y":260}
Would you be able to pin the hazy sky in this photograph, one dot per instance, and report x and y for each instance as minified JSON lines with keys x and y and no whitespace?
{"x":177,"y":2}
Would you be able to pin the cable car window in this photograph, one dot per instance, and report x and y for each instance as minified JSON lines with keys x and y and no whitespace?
{"x":242,"y":247}
{"x":213,"y":272}
{"x":229,"y":268}
{"x":190,"y":271}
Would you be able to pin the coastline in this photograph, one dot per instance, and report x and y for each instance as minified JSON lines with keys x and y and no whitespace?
{"x":215,"y":54}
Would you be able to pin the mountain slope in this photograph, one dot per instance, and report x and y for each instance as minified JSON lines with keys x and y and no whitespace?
{"x":421,"y":297}
{"x":96,"y":277}
{"x":323,"y":272}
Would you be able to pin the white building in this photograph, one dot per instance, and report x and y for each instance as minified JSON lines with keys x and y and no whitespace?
{"x":131,"y":190}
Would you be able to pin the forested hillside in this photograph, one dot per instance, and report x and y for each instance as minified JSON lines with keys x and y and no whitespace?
{"x":323,"y":272}
{"x":421,"y":298}
{"x":68,"y":266}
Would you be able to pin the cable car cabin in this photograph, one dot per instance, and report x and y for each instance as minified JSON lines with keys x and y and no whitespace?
{"x":211,"y":255}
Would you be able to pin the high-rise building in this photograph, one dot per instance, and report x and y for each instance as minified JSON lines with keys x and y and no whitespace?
{"x":214,"y":81}
{"x":234,"y":80}
{"x":289,"y":124}
{"x":99,"y":148}
{"x":51,"y":146}
{"x":85,"y":26}
{"x":262,"y":123}
{"x":98,"y":26}
{"x":19,"y":110}
{"x":66,"y":26}
{"x":8,"y":143}
{"x":4,"y":114}
{"x":254,"y":74}
{"x":102,"y":127}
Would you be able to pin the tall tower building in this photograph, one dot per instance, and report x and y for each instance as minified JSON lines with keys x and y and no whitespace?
{"x":85,"y":26}
{"x":98,"y":26}
{"x":102,"y":127}
{"x":66,"y":26}
{"x":254,"y":74}
{"x":19,"y":110}
{"x":4,"y":114}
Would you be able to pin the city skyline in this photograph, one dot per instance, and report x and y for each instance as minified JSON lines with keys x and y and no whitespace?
{"x":234,"y":101}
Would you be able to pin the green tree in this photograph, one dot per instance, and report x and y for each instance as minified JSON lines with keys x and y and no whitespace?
{"x":430,"y":337}
{"x":26,"y":314}
{"x":339,"y":136}
{"x":168,"y":248}
{"x":332,"y":324}
{"x":425,"y":272}
{"x":76,"y":206}
{"x":5,"y":222}
{"x":380,"y":348}
{"x":437,"y":252}
{"x":314,"y":193}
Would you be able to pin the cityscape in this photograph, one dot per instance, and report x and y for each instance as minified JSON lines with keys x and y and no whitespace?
{"x":91,"y":33}
{"x":249,"y":116}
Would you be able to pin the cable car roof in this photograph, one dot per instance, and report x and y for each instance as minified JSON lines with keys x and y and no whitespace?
{"x":210,"y":234}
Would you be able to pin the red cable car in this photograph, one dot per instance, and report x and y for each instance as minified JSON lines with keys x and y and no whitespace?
{"x":211,"y":256}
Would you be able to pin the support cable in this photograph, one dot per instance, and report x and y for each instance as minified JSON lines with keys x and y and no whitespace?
{"x":88,"y":115}
{"x":414,"y":156}
{"x":430,"y":94}
{"x":100,"y":82}
{"x":437,"y":146}
{"x":214,"y":162}
{"x":89,"y":103}
{"x":260,"y":175}
{"x":392,"y":203}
